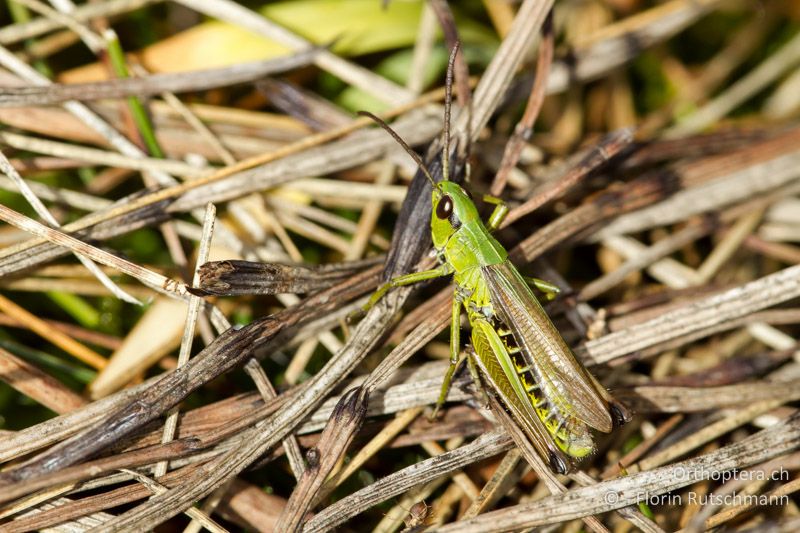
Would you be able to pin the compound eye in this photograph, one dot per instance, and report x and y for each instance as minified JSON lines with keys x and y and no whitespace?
{"x":445,"y":207}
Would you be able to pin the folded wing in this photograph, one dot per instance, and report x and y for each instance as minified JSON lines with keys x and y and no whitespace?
{"x":561,"y":376}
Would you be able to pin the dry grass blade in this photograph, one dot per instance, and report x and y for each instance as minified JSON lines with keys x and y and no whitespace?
{"x":378,"y":86}
{"x":506,"y":476}
{"x":148,"y":277}
{"x":624,"y":491}
{"x":267,"y":433}
{"x":428,"y":470}
{"x":229,"y":278}
{"x":17,"y":32}
{"x":58,"y":338}
{"x":93,"y":469}
{"x":365,"y":336}
{"x":41,"y":210}
{"x":690,"y":399}
{"x":214,"y":188}
{"x":607,"y":148}
{"x":388,"y":433}
{"x":153,"y":84}
{"x":699,"y":318}
{"x":344,"y":423}
{"x":529,"y":19}
{"x":37,"y":385}
{"x":676,"y":259}
{"x":195,"y":304}
{"x":617,"y":43}
{"x":22,"y":442}
{"x":100,"y":157}
{"x":606,"y":204}
{"x":758,"y":169}
{"x":67,"y":510}
{"x":524,"y":128}
{"x":786,"y":58}
{"x":705,"y":435}
{"x":229,"y":349}
{"x":535,"y":460}
{"x":661,"y":249}
{"x":195,"y":514}
{"x":83,"y":113}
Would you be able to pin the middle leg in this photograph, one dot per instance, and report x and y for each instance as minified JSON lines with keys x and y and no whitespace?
{"x":498,"y":214}
{"x":550,"y":290}
{"x":455,"y":346}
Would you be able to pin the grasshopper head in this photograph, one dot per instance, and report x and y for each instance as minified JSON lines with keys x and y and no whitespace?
{"x":452,"y":207}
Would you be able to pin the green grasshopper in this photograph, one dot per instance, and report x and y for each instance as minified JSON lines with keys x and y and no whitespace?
{"x":516,"y":346}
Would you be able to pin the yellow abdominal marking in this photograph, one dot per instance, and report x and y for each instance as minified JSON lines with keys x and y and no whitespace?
{"x":559,"y":425}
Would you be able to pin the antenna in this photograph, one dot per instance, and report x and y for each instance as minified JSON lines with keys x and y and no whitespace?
{"x":402,"y":143}
{"x":448,"y":95}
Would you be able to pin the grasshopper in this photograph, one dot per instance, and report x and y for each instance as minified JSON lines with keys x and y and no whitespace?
{"x":516,"y":347}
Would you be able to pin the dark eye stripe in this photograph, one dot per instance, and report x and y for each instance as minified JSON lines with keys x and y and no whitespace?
{"x":454,"y":221}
